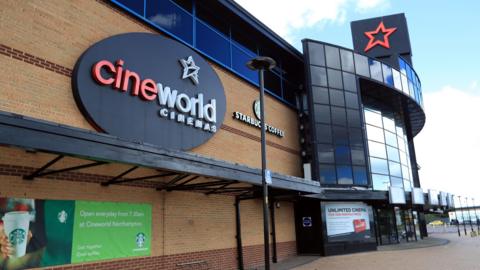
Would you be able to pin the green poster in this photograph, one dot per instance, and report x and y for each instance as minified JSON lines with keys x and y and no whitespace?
{"x":106,"y":230}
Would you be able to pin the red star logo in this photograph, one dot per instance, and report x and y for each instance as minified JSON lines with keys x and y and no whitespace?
{"x":386,"y":33}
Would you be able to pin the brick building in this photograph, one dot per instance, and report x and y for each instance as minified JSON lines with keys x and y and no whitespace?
{"x":58,"y":142}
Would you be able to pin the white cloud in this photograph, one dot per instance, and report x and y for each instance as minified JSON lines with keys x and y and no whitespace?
{"x":284,"y":16}
{"x":448,"y":148}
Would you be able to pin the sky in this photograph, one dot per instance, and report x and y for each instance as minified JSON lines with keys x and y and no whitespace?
{"x":445,"y":40}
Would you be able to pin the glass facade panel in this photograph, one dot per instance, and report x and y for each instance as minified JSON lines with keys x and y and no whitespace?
{"x":349,"y":82}
{"x":320,"y":95}
{"x":318,"y":76}
{"x":397,"y":81}
{"x":316,"y":54}
{"x":327,"y":174}
{"x":339,"y":116}
{"x":337,"y":98}
{"x":375,"y":70}
{"x":379,"y":165}
{"x":373,"y":118}
{"x":377,"y":149}
{"x":351,"y":100}
{"x":387,"y":157}
{"x":322,"y":113}
{"x":134,"y":5}
{"x":405,"y":85}
{"x":395,"y":169}
{"x":344,"y":174}
{"x":273,"y":83}
{"x":239,"y":58}
{"x":390,"y":138}
{"x":375,"y":133}
{"x":361,"y":65}
{"x":213,"y":43}
{"x":340,"y":135}
{"x":356,"y":137}
{"x":347,"y":61}
{"x":396,"y":181}
{"x":332,"y":56}
{"x":325,"y":153}
{"x":353,"y":118}
{"x":380,"y":182}
{"x":172,"y":18}
{"x":323,"y":132}
{"x":342,"y":155}
{"x":360,"y":175}
{"x":393,"y":154}
{"x":387,"y":75}
{"x":358,"y":157}
{"x":335,"y":78}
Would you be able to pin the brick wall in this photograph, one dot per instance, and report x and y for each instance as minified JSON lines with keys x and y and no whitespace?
{"x":186,"y":226}
{"x":38,"y":55}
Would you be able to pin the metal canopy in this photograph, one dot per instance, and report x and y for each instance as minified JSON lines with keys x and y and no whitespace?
{"x":28,"y":133}
{"x":43,"y":170}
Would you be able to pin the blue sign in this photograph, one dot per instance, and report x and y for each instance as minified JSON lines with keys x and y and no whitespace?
{"x":307,"y":221}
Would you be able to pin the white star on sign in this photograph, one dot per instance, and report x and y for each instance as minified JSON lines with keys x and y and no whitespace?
{"x":190,"y":70}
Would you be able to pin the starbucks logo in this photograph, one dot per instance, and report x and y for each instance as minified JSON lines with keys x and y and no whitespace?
{"x":140,"y":239}
{"x":62,"y":216}
{"x":17,"y":237}
{"x":256,"y":109}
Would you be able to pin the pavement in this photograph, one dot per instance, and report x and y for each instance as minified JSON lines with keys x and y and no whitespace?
{"x":443,"y":251}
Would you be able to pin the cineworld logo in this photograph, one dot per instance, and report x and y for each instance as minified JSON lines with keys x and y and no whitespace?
{"x":147,"y":88}
{"x":174,"y":105}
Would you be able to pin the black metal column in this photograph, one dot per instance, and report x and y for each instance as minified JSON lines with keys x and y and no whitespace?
{"x":274,"y":234}
{"x":238,"y":227}
{"x":463,"y":215}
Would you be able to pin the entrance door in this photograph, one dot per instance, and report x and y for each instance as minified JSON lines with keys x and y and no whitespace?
{"x":387,"y":233}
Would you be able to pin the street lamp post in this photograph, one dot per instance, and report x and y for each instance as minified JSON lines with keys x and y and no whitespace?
{"x":476,"y":217}
{"x":468,"y":212}
{"x":463,"y":215}
{"x":262,"y":63}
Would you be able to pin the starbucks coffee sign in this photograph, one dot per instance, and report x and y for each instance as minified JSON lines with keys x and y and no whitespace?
{"x":148,"y":88}
{"x":256,"y":121}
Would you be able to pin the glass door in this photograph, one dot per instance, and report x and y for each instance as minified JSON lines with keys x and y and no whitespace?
{"x":386,"y":233}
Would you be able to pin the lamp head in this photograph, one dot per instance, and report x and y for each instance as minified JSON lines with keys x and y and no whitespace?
{"x":261,"y":62}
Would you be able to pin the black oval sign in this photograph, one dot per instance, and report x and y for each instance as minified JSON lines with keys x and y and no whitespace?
{"x":148,"y":88}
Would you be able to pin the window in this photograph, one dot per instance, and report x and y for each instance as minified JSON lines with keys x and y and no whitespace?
{"x":347,"y":61}
{"x":273,"y":83}
{"x":213,"y":43}
{"x":320,"y":95}
{"x":361,"y":65}
{"x":324,"y":134}
{"x":327,"y":174}
{"x":339,"y":116}
{"x":379,"y":165}
{"x":377,"y":149}
{"x":335,"y":78}
{"x":340,"y":135}
{"x":360,"y":175}
{"x":397,"y":81}
{"x":333,"y":57}
{"x":380,"y":182}
{"x":322,"y":113}
{"x":342,"y":155}
{"x":358,"y":156}
{"x":239,"y":60}
{"x":349,"y":82}
{"x":351,"y":100}
{"x":387,"y":75}
{"x":374,"y":133}
{"x":344,"y":174}
{"x":375,"y":70}
{"x":337,"y":98}
{"x":316,"y":54}
{"x":373,"y":118}
{"x":172,"y":18}
{"x":318,"y":76}
{"x":134,"y":5}
{"x":325,"y":153}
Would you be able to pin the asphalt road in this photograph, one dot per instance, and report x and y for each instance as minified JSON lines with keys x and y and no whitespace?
{"x":461,"y":253}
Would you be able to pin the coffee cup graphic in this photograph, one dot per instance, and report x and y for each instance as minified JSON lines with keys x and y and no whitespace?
{"x":16,"y":225}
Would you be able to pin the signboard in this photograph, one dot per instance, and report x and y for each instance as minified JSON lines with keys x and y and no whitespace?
{"x":443,"y":198}
{"x":268,"y":177}
{"x":433,"y":197}
{"x":347,"y":221}
{"x":249,"y":120}
{"x":417,"y":196}
{"x":148,"y":88}
{"x":396,"y":195}
{"x":307,"y":222}
{"x":60,"y":232}
{"x":383,"y":37}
